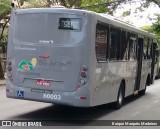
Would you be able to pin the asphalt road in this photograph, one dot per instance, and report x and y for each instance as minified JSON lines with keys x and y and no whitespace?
{"x":145,"y":107}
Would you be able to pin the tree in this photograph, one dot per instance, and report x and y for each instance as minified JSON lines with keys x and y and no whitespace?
{"x":95,"y":5}
{"x":156,"y":26}
{"x":110,"y":6}
{"x":5,"y":8}
{"x":156,"y":29}
{"x":49,"y":3}
{"x":147,"y":28}
{"x":157,"y":2}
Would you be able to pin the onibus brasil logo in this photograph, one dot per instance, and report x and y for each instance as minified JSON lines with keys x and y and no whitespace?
{"x":28,"y":65}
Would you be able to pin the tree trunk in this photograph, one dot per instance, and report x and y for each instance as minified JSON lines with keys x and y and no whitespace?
{"x":1,"y":70}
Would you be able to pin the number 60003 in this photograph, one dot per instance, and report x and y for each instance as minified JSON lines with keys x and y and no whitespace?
{"x":52,"y":96}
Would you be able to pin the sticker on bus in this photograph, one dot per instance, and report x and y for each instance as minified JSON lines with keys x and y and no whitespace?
{"x":43,"y":83}
{"x":20,"y":94}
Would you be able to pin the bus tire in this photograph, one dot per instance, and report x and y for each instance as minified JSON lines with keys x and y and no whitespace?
{"x":158,"y":73}
{"x":120,"y":97}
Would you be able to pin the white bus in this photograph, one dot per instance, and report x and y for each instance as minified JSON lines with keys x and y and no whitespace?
{"x":76,"y":57}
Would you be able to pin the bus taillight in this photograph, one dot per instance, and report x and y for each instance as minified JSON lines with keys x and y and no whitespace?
{"x":83,"y":74}
{"x":83,"y":97}
{"x":9,"y":68}
{"x":9,"y":63}
{"x":9,"y":75}
{"x":84,"y":68}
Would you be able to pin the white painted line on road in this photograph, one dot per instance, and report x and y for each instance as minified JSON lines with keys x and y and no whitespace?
{"x":147,"y":106}
{"x":136,"y":113}
{"x":156,"y":101}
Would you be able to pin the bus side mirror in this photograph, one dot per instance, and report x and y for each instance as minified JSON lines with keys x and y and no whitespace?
{"x":13,"y":5}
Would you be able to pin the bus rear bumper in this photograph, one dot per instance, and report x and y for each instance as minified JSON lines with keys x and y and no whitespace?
{"x":78,"y":98}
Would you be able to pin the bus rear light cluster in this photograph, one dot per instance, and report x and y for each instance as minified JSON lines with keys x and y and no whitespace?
{"x":9,"y":68}
{"x":83,"y":76}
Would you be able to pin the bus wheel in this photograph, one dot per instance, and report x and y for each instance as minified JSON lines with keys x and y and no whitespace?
{"x":120,"y":97}
{"x":158,"y":73}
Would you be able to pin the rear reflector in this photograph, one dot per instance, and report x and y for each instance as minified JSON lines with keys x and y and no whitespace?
{"x":43,"y":56}
{"x":78,"y":86}
{"x":83,"y":97}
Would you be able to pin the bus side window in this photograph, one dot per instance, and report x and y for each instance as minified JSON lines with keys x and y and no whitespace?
{"x":132,"y":47}
{"x":149,"y":48}
{"x":124,"y":45}
{"x":115,"y":34}
{"x":145,"y":48}
{"x":101,"y":41}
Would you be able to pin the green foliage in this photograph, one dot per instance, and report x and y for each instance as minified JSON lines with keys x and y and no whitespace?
{"x":148,"y":29}
{"x":156,"y":25}
{"x":151,"y":30}
{"x":71,"y":3}
{"x":89,"y":4}
{"x":35,"y":3}
{"x":156,"y":29}
{"x":126,"y":13}
{"x":49,"y":3}
{"x":5,"y":7}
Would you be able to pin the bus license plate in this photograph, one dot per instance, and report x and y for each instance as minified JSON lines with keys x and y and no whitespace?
{"x":43,"y":83}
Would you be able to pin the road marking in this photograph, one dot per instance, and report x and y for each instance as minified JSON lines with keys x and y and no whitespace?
{"x":147,"y":106}
{"x":136,"y":113}
{"x":156,"y":101}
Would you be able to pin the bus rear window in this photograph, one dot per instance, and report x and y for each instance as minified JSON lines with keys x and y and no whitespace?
{"x":45,"y":28}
